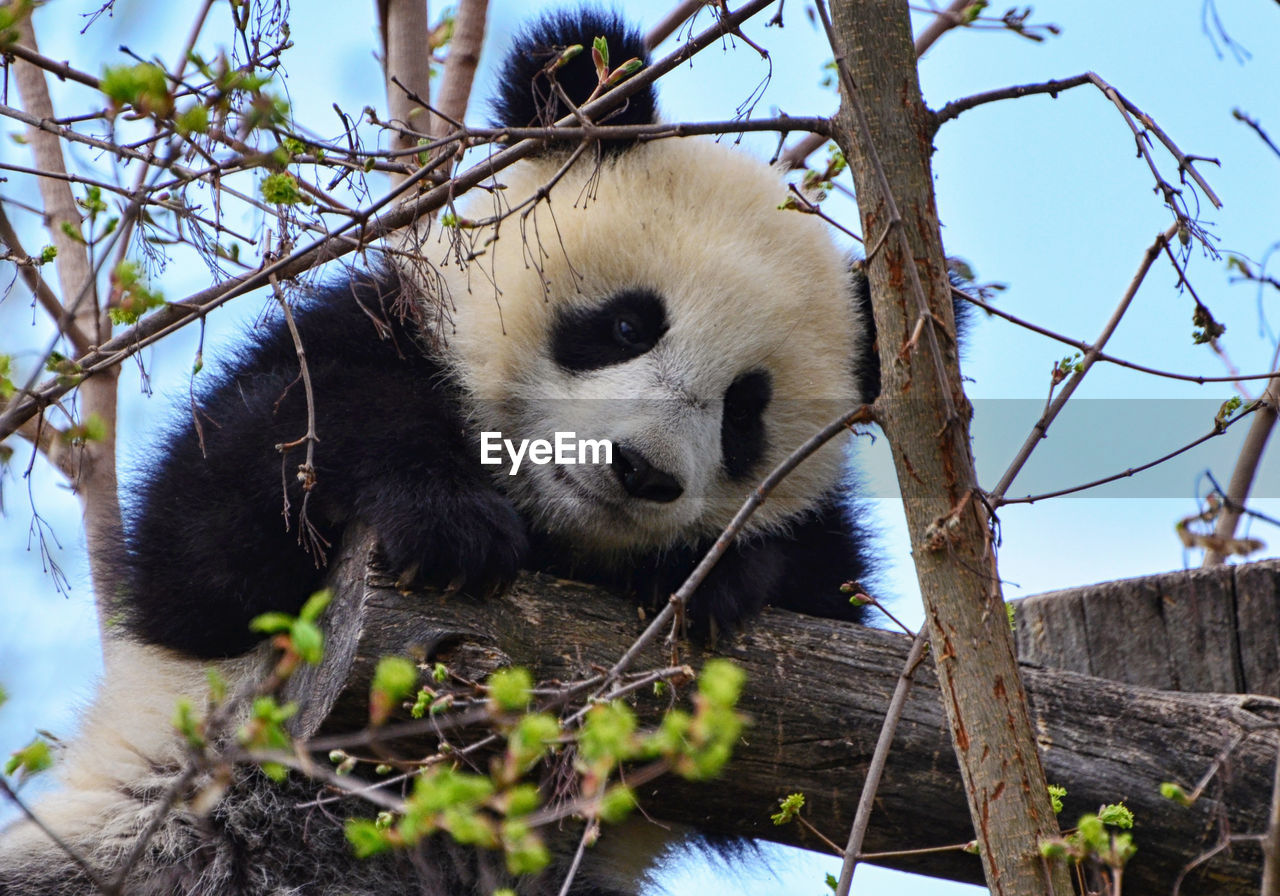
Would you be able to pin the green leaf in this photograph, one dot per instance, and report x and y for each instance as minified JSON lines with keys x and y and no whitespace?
{"x":366,"y":838}
{"x":269,"y":623}
{"x":35,"y":757}
{"x":144,"y":86}
{"x":788,"y":808}
{"x":193,"y":120}
{"x":721,"y":682}
{"x":1056,"y":793}
{"x":608,"y":733}
{"x":510,"y":689}
{"x":1171,"y":791}
{"x":395,"y":676}
{"x":282,"y":189}
{"x":316,"y":605}
{"x":1118,"y":815}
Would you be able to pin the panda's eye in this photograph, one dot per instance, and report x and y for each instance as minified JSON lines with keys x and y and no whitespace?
{"x":627,"y":331}
{"x":623,"y":327}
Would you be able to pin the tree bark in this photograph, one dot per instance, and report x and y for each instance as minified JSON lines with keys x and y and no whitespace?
{"x":460,"y":66}
{"x":94,"y":470}
{"x":816,"y":693}
{"x":406,"y":58}
{"x":884,"y":130}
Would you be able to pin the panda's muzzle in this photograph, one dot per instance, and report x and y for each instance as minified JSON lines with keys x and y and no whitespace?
{"x":642,"y":479}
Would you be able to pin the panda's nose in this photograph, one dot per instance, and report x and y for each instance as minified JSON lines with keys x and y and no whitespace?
{"x":642,"y":479}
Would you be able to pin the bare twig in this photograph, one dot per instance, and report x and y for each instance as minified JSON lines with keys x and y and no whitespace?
{"x":102,"y":885}
{"x":879,"y":759}
{"x":1131,"y":471}
{"x":1186,"y":164}
{"x":1255,"y":442}
{"x":1256,"y":126}
{"x":62,"y":70}
{"x":943,"y":22}
{"x":955,"y":108}
{"x":1271,"y":840}
{"x":1041,"y":428}
{"x":1082,"y":346}
{"x":672,"y":21}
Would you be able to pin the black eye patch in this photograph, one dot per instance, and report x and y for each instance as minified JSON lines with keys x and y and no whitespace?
{"x":623,"y":327}
{"x":742,"y":425}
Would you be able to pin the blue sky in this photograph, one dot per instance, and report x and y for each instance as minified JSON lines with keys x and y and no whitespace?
{"x":1045,"y":195}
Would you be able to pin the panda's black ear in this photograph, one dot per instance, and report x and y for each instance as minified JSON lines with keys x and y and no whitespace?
{"x":867,"y":370}
{"x":527,"y":96}
{"x":867,"y":353}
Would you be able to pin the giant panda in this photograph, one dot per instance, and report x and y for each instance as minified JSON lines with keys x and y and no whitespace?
{"x":659,"y":299}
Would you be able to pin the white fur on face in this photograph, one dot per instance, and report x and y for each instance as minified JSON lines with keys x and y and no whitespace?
{"x":746,"y":287}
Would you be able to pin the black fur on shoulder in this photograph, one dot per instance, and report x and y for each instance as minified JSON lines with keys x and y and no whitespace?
{"x":527,"y":95}
{"x":211,"y":540}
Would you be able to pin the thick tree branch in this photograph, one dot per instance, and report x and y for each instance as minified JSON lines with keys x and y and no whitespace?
{"x":406,"y":63}
{"x":95,"y":481}
{"x":816,"y":695}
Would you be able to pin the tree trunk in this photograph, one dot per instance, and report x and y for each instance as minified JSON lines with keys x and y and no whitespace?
{"x":885,"y":132}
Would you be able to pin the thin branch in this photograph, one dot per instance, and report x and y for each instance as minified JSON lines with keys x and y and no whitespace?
{"x":672,"y":21}
{"x":1131,"y":471}
{"x":1256,"y":125}
{"x":1082,"y":346}
{"x":308,"y":537}
{"x":659,"y":130}
{"x":89,"y":871}
{"x":50,"y":441}
{"x":879,"y":759}
{"x":944,"y":21}
{"x":1271,"y":840}
{"x":1237,"y":494}
{"x":954,"y":108}
{"x":1041,"y":428}
{"x":61,"y":70}
{"x":1186,"y":164}
{"x":30,"y":272}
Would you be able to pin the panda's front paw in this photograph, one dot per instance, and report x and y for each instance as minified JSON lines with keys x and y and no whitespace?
{"x":474,"y":542}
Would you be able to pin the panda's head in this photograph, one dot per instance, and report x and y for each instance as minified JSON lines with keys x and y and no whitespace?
{"x":659,"y":299}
